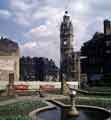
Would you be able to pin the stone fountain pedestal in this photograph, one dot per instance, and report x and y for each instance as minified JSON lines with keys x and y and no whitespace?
{"x":73,"y":111}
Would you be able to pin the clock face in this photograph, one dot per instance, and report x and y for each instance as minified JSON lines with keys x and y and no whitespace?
{"x":65,"y":43}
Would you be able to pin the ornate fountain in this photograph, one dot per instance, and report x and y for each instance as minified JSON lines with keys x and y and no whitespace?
{"x":73,"y":110}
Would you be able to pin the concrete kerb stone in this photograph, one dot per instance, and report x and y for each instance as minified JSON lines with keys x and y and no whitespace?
{"x":33,"y":114}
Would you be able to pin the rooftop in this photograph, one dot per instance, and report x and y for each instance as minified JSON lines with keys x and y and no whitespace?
{"x":8,"y":46}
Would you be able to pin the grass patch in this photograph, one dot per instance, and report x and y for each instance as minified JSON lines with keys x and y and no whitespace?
{"x":99,"y":89}
{"x":19,"y":110}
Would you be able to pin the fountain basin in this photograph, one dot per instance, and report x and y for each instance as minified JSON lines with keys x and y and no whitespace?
{"x":88,"y":113}
{"x":85,"y":113}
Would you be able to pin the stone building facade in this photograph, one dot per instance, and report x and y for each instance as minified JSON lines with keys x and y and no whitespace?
{"x":97,"y":57}
{"x":9,"y":59}
{"x":38,"y":69}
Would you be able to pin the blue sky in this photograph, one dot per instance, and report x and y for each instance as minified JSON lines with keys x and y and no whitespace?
{"x":34,"y":24}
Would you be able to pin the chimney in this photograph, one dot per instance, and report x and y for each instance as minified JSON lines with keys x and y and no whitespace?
{"x":107,"y":27}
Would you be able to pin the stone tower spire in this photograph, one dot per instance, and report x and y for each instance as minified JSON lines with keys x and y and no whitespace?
{"x":66,"y":48}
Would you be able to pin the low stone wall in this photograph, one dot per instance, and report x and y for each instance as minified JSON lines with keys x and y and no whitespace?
{"x":37,"y":84}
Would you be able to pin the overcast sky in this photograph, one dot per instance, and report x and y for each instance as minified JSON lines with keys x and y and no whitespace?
{"x":35,"y":24}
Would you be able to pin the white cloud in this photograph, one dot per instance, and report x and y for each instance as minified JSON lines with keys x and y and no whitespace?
{"x":23,"y":5}
{"x":79,"y":7}
{"x":40,"y":49}
{"x":41,"y":31}
{"x":46,"y":35}
{"x":5,"y":13}
{"x":26,"y":13}
{"x":29,"y":45}
{"x":23,"y":10}
{"x":47,"y":41}
{"x":22,"y":19}
{"x":47,"y":12}
{"x":87,"y":17}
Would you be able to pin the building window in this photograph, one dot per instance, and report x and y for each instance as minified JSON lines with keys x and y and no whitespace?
{"x":108,"y":43}
{"x":108,"y":51}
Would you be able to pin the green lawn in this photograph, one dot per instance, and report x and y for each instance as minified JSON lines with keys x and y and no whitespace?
{"x":19,"y":110}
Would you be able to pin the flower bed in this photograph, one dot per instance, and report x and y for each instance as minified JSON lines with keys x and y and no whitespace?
{"x":47,"y":88}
